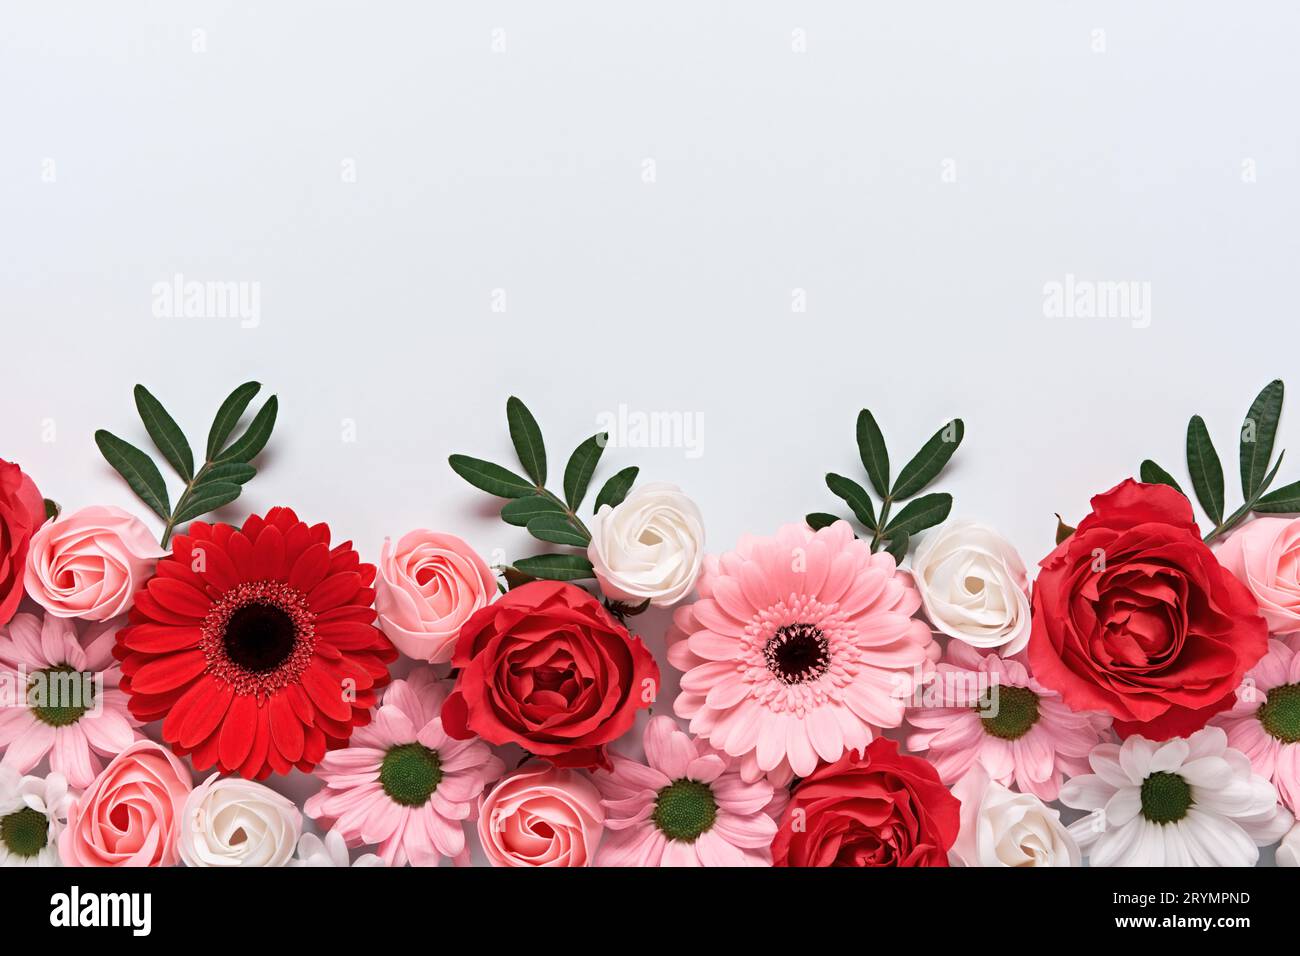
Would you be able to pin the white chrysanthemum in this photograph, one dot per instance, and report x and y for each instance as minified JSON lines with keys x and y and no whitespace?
{"x":331,"y":851}
{"x":1288,"y":851}
{"x":33,"y":812}
{"x":1185,"y":802}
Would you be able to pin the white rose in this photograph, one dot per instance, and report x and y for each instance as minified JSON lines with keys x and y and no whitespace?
{"x":650,"y":547}
{"x":1288,"y":851}
{"x":1002,"y":828}
{"x":974,"y":586}
{"x":234,"y":822}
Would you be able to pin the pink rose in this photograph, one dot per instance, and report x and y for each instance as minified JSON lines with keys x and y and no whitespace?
{"x":541,"y":816}
{"x":428,"y":586}
{"x":89,"y":564}
{"x":130,"y":815}
{"x":1264,"y":555}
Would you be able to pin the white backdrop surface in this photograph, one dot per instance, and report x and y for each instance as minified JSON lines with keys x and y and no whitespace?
{"x":760,"y":215}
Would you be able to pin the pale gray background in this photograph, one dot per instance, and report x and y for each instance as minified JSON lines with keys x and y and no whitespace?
{"x":479,"y":169}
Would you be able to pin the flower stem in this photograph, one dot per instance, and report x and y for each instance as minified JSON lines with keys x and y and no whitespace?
{"x":569,"y":512}
{"x":181,"y":502}
{"x":880,"y":525}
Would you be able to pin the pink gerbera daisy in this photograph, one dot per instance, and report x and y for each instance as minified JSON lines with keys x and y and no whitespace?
{"x":685,"y":806}
{"x":1264,"y":724}
{"x":72,"y":709}
{"x":989,"y":711}
{"x":800,"y":645}
{"x":402,"y":783}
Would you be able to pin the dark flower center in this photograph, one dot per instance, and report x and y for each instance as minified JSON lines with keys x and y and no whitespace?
{"x":410,"y":773}
{"x":684,"y":809}
{"x":1166,"y":797}
{"x":24,"y":832}
{"x":797,"y":653}
{"x":1008,"y":712}
{"x":1280,"y":713}
{"x":60,"y":696}
{"x":260,"y":637}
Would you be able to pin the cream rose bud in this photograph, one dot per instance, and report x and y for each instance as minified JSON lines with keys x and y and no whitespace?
{"x":235,"y":822}
{"x":974,"y":586}
{"x":428,"y":586}
{"x":90,"y":564}
{"x":1002,"y":828}
{"x":649,"y":547}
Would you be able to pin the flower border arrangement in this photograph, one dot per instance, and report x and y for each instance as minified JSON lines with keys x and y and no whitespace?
{"x":895,"y":690}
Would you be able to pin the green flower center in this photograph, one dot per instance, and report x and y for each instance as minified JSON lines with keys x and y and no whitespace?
{"x":410,"y":773}
{"x":60,"y":696}
{"x":684,"y":809}
{"x":1280,"y":713}
{"x":1008,"y":712}
{"x":1166,"y":797}
{"x":24,"y":832}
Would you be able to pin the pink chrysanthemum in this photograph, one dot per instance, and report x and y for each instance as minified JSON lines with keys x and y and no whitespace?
{"x":402,"y":783}
{"x":71,"y":709}
{"x":685,"y":806}
{"x":1264,"y":724}
{"x":1020,"y":732}
{"x":800,"y":645}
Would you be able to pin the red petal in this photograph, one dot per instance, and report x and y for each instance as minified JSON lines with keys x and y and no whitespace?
{"x":218,"y":570}
{"x":180,"y":598}
{"x":167,"y":673}
{"x":333,"y":591}
{"x":147,"y":606}
{"x":344,"y":558}
{"x":314,"y":747}
{"x":179,"y":570}
{"x":348,"y":635}
{"x":348,"y":612}
{"x":268,"y":554}
{"x":277,"y":762}
{"x":309,"y":570}
{"x":255,"y":762}
{"x":297,"y":539}
{"x":286,"y":730}
{"x":301,"y":704}
{"x":326,"y":692}
{"x":240,"y":550}
{"x":205,"y":754}
{"x":205,"y":716}
{"x":238,"y":731}
{"x":159,"y":638}
{"x":179,"y":712}
{"x":253,"y":525}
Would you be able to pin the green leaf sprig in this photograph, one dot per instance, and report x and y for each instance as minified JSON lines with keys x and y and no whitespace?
{"x":218,"y":481}
{"x":893,"y":534}
{"x":544,"y":514}
{"x":1258,"y":434}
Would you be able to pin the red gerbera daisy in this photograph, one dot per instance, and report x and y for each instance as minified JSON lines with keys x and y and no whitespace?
{"x":256,"y":645}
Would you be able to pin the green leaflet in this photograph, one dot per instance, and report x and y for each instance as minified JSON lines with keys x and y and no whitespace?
{"x":527,"y":439}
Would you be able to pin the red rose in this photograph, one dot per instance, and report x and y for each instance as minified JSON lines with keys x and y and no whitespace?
{"x":22,"y":511}
{"x":548,"y":668}
{"x":880,"y":808}
{"x":1134,"y":615}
